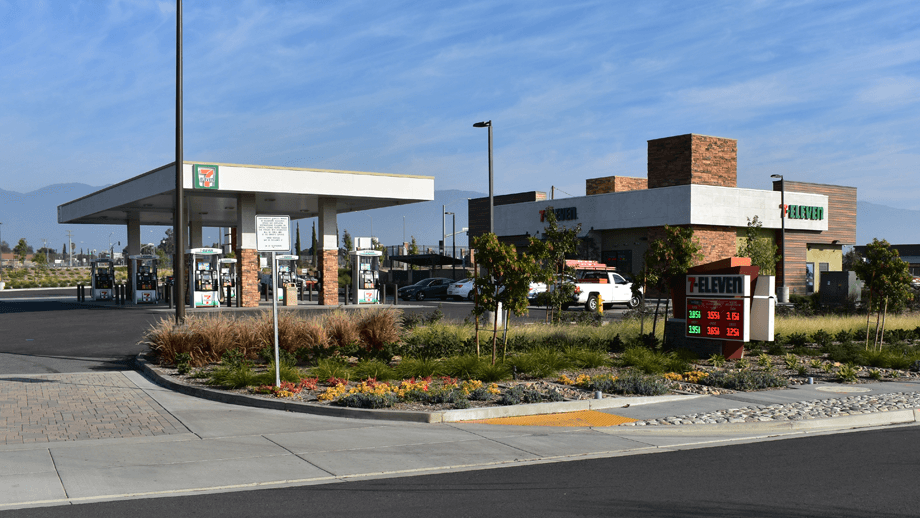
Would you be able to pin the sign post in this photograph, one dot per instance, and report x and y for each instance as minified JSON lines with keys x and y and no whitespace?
{"x":273,"y":233}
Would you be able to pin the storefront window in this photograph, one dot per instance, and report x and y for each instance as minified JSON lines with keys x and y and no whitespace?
{"x":621,"y":259}
{"x":809,"y":278}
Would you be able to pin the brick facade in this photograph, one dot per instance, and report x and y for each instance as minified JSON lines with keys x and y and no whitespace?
{"x":248,"y":274}
{"x":609,"y":184}
{"x":329,"y":269}
{"x":692,"y":159}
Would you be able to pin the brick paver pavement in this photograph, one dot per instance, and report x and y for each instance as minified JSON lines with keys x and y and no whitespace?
{"x":73,"y":407}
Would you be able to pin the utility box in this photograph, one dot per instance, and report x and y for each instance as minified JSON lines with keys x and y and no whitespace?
{"x":290,"y":294}
{"x":838,"y":287}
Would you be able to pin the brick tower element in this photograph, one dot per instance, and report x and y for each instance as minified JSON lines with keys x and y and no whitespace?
{"x":692,"y":159}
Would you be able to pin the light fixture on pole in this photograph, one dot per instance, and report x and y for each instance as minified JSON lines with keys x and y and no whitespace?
{"x":784,"y":291}
{"x":488,"y":124}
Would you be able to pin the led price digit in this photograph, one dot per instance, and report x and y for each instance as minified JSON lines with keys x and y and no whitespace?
{"x":694,"y":330}
{"x":695,"y":313}
{"x":712,"y":315}
{"x":734,"y":316}
{"x":732,"y":331}
{"x":712,"y":331}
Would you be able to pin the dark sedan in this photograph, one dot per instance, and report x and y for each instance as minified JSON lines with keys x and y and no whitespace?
{"x":426,"y":289}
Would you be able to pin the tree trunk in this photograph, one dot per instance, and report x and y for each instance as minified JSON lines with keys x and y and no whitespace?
{"x":884,"y":315}
{"x":494,"y":335}
{"x":878,"y":321}
{"x":868,"y":316}
{"x":476,"y":306}
{"x":505,"y":337}
{"x":655,"y":320}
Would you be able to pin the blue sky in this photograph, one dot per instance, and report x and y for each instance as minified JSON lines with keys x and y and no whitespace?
{"x":823,"y":92}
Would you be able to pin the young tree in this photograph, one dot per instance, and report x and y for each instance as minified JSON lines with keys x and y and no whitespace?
{"x":40,"y":259}
{"x":297,"y":250}
{"x":413,"y":250}
{"x":346,"y":242}
{"x":666,"y":260}
{"x":5,"y":247}
{"x":506,"y":280}
{"x":550,"y":253}
{"x":21,"y":250}
{"x":887,"y":277}
{"x":760,"y":248}
{"x":313,"y":245}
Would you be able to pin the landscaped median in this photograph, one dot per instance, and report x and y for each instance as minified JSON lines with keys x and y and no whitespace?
{"x":378,"y":363}
{"x":289,"y":402}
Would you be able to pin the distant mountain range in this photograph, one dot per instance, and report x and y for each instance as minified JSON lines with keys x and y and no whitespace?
{"x":33,"y":215}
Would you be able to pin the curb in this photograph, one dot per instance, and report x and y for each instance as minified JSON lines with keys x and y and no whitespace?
{"x":440,"y":416}
{"x":894,"y":417}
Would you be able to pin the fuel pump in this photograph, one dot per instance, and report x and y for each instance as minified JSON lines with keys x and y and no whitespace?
{"x":103,"y":279}
{"x":287,"y":273}
{"x":227,"y":278}
{"x":364,"y":275}
{"x":144,"y":282}
{"x":204,"y":277}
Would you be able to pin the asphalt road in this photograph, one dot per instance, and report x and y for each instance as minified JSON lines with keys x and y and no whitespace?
{"x":869,"y":473}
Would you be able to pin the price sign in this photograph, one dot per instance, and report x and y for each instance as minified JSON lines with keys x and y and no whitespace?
{"x":722,"y":318}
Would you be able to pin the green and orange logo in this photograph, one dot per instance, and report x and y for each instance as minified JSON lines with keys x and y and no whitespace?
{"x":206,"y":176}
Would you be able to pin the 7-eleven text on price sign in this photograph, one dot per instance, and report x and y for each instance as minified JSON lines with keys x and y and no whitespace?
{"x":718,"y":318}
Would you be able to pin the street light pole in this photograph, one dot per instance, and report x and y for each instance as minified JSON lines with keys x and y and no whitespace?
{"x":179,"y":216}
{"x":488,"y":124}
{"x":784,"y":293}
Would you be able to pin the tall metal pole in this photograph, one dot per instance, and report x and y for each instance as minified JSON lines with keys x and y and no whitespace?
{"x":179,"y":221}
{"x":782,"y":209}
{"x":453,"y":255}
{"x":491,"y":196}
{"x":443,"y":229}
{"x":488,"y":124}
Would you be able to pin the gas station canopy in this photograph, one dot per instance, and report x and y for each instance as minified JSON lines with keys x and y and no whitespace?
{"x":213,"y":190}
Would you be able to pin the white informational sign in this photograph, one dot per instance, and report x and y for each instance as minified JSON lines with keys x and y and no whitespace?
{"x":273,"y":233}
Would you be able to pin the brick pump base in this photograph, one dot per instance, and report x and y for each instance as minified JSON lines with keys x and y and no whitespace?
{"x":329,"y":265}
{"x":248,"y":278}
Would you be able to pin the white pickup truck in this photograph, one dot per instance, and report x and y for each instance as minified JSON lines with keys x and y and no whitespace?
{"x":596,"y":281}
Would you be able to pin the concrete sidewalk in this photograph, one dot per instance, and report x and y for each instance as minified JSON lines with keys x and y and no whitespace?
{"x":93,"y":437}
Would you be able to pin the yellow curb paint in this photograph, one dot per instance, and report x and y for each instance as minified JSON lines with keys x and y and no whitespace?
{"x":582,"y":418}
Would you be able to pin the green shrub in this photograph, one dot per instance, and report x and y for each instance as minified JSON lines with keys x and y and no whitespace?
{"x":367,"y":400}
{"x":843,"y":336}
{"x":327,"y":368}
{"x":743,"y":380}
{"x":776,"y":348}
{"x":376,"y":369}
{"x":584,"y":358}
{"x":637,"y":384}
{"x":797,"y":340}
{"x":846,"y":352}
{"x":436,"y":341}
{"x":466,"y":367}
{"x":541,"y":363}
{"x":418,"y":368}
{"x":520,"y":394}
{"x":653,"y":362}
{"x":234,"y":377}
{"x":489,"y":373}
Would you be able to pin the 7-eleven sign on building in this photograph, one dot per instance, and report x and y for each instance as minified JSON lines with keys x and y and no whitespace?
{"x":205,"y":176}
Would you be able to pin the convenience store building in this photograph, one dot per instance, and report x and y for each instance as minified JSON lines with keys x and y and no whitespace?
{"x":692,"y":182}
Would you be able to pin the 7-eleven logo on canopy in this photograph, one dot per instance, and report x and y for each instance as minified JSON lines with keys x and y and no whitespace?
{"x":205,"y":176}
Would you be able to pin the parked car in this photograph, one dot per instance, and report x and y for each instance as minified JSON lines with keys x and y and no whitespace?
{"x":435,"y":287}
{"x":462,"y":289}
